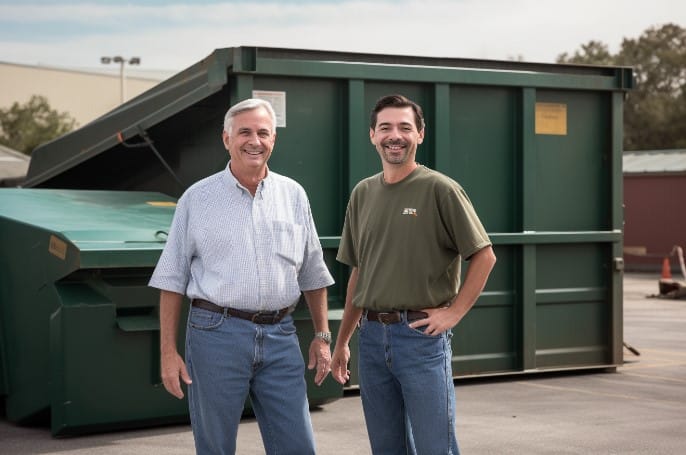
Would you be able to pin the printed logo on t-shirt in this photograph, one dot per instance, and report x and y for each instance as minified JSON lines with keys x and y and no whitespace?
{"x":408,"y":211}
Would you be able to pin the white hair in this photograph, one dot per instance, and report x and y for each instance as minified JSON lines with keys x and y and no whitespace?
{"x":249,"y":105}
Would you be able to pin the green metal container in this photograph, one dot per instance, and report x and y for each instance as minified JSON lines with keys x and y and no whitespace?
{"x":79,"y":327}
{"x":536,"y":146}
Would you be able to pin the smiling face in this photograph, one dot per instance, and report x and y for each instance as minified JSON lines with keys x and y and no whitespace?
{"x":250,"y":141}
{"x":395,"y":136}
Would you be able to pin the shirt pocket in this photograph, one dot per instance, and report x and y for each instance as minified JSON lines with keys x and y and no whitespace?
{"x":289,"y":242}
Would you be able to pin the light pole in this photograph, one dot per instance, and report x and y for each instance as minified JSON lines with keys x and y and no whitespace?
{"x":122,"y":79}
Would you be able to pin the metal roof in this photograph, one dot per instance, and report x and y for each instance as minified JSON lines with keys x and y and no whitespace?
{"x":132,"y":72}
{"x":655,"y":161}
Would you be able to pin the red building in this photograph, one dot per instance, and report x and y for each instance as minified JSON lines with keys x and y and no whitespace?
{"x":654,"y":208}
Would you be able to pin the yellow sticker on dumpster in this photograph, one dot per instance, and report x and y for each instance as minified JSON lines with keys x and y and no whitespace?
{"x":162,"y":203}
{"x":551,"y":118}
{"x":57,"y":247}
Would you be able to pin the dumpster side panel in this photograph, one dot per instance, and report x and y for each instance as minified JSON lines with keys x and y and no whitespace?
{"x":488,"y":339}
{"x":483,"y":156}
{"x":573,"y":305}
{"x":104,"y":354}
{"x":573,"y":169}
{"x":485,"y":152}
{"x":574,"y":194}
{"x":26,"y":297}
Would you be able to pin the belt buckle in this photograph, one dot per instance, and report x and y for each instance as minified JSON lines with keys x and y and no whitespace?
{"x":387,"y":317}
{"x":264,"y":318}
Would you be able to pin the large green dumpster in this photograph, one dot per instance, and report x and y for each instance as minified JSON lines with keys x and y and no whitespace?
{"x":78,"y":322}
{"x":537,"y":147}
{"x":79,"y":327}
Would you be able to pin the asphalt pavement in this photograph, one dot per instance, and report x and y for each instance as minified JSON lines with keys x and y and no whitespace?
{"x":639,"y":409}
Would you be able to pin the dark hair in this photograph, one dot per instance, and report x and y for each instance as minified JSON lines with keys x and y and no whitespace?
{"x":400,"y":102}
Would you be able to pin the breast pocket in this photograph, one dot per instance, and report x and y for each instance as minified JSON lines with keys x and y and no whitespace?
{"x":289,"y":242}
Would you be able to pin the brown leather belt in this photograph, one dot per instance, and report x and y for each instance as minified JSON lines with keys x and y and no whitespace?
{"x":393,"y":317}
{"x":259,"y":317}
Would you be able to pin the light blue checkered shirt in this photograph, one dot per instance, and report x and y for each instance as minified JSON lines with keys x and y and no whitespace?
{"x":254,"y":254}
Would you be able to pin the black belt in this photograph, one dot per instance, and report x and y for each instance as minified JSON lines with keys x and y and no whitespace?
{"x":393,"y":317}
{"x":258,"y":317}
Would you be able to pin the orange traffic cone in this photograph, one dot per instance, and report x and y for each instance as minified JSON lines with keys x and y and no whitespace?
{"x":666,"y":284}
{"x":666,"y":269}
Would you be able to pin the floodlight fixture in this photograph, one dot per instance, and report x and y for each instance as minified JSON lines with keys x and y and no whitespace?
{"x":122,"y":78}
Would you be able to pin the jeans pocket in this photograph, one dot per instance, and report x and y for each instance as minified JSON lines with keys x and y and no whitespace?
{"x":287,"y":327}
{"x":419,"y":331}
{"x":203,"y":319}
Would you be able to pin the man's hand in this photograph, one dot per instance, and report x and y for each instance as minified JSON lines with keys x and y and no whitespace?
{"x":173,"y":367}
{"x":339,"y":364}
{"x":438,"y":321}
{"x":444,"y":318}
{"x":320,"y":356}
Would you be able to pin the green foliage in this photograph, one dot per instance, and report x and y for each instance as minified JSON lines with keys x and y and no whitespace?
{"x":655,"y":111}
{"x":24,"y":127}
{"x":592,"y":53}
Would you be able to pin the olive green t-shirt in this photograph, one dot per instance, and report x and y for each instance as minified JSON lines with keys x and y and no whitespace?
{"x":407,"y":240}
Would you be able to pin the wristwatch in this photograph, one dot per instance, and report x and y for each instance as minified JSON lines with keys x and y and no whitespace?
{"x":325,"y":336}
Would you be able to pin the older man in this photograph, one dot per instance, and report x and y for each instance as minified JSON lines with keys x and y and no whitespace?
{"x":242,"y":247}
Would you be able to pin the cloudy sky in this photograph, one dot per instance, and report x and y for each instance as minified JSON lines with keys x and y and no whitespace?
{"x":174,"y":34}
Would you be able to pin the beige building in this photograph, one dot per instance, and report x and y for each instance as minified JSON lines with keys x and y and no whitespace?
{"x":84,"y":94}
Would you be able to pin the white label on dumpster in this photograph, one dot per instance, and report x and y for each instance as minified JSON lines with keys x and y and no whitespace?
{"x":57,"y":247}
{"x":278,"y":102}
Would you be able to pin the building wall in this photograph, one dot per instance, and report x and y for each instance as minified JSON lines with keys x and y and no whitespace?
{"x":84,"y":95}
{"x":654,"y":219}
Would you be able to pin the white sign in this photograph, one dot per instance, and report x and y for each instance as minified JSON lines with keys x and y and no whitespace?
{"x":278,"y":102}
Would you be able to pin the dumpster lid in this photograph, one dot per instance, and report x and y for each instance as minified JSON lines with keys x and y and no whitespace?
{"x":108,"y":228}
{"x":131,"y":118}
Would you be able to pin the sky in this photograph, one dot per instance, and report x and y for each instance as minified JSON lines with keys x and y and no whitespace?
{"x":175,"y":34}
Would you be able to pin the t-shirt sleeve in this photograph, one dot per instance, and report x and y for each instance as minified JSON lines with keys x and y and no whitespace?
{"x":346,"y":249}
{"x":463,"y":224}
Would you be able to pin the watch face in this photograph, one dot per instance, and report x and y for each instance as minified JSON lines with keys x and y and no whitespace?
{"x":324,"y":336}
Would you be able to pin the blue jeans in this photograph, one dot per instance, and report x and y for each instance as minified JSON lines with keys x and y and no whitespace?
{"x":230,"y":358}
{"x":407,"y":390}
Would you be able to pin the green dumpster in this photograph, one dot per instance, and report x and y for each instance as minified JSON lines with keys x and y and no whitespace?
{"x":79,"y":327}
{"x":537,"y":147}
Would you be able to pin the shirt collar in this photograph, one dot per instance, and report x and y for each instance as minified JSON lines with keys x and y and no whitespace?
{"x":232,"y":181}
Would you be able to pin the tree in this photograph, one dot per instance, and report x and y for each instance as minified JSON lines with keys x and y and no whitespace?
{"x":655,"y":111}
{"x":24,"y":127}
{"x":592,"y":53}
